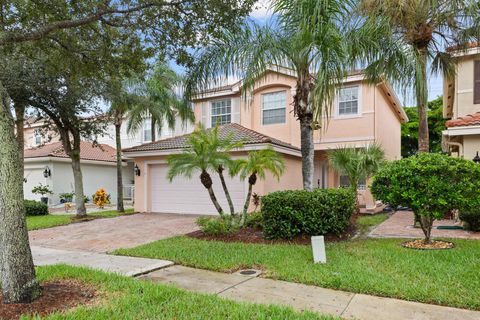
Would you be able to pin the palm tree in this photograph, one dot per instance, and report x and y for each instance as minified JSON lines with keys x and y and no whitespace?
{"x":307,"y":36}
{"x":207,"y":152}
{"x":255,"y":166}
{"x":135,"y":100}
{"x":357,"y":163}
{"x":413,"y":34}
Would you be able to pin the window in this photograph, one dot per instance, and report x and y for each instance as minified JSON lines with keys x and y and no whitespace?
{"x":147,"y":130}
{"x":476,"y":83}
{"x":348,"y":101}
{"x":345,"y":183}
{"x":37,"y":137}
{"x":221,"y":112}
{"x":274,"y":107}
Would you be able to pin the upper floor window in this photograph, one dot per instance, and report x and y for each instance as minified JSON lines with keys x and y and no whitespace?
{"x":274,"y":107}
{"x":37,"y":137}
{"x":221,"y":112}
{"x":348,"y":101}
{"x":345,"y":183}
{"x":476,"y":83}
{"x":147,"y":130}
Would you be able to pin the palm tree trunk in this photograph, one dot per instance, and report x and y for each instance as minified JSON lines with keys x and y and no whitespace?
{"x":206,"y":180}
{"x":422,"y":102}
{"x":118,"y":140}
{"x":17,"y":272}
{"x":307,"y":148}
{"x":251,"y":181}
{"x":225,"y":189}
{"x":152,"y":128}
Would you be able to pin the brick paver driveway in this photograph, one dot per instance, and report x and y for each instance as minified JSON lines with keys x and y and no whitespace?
{"x":104,"y":235}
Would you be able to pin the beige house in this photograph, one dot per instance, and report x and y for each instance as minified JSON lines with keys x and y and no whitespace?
{"x":461,"y":104}
{"x":363,"y":113}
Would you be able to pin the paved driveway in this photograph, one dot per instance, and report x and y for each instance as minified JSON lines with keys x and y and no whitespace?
{"x":104,"y":235}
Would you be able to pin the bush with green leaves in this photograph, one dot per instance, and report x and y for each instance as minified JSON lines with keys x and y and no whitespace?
{"x":431,"y":184}
{"x":219,"y":226}
{"x":471,"y":218}
{"x":287,"y":214}
{"x":254,"y":220}
{"x":35,"y":208}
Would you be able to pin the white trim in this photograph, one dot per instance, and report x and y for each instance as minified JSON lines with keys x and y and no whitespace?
{"x":248,"y":147}
{"x":465,"y":91}
{"x":462,"y":131}
{"x":468,"y":52}
{"x":68,"y":160}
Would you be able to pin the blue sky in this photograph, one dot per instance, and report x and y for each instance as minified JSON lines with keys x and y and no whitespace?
{"x":261,"y":14}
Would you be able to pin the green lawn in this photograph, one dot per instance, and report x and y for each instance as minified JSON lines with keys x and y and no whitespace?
{"x":42,"y":222}
{"x":366,"y":222}
{"x":372,"y":266}
{"x":127,"y":298}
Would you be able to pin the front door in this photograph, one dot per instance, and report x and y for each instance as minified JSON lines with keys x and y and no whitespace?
{"x":321,"y":174}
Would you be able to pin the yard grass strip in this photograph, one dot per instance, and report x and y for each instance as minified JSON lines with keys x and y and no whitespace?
{"x":379,"y":267}
{"x":128,"y":298}
{"x":49,"y":221}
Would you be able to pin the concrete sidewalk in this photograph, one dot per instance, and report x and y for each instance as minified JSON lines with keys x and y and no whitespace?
{"x":128,"y":266}
{"x":302,"y":297}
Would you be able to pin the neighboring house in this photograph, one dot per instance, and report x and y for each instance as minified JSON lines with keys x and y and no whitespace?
{"x":363,"y":113}
{"x":461,"y":104}
{"x":49,"y":165}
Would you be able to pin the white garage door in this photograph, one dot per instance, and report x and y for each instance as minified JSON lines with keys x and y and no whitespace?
{"x":33,"y":177}
{"x":189,"y":196}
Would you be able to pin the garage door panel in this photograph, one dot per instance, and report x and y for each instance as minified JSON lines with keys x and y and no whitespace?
{"x":187,"y":195}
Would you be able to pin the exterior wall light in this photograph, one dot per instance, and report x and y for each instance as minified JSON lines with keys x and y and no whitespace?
{"x":47,"y":173}
{"x":476,"y":159}
{"x":136,"y":169}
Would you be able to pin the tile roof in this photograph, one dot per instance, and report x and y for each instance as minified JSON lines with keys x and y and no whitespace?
{"x":240,"y":134}
{"x":468,"y":120}
{"x":100,"y":152}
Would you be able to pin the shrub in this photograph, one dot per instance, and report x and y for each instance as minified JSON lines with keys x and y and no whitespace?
{"x":254,"y":220}
{"x":471,"y":219}
{"x":35,"y":208}
{"x":219,"y":226}
{"x":431,"y":184}
{"x":101,"y":198}
{"x":287,"y":214}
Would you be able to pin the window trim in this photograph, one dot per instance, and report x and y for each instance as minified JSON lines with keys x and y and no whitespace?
{"x":476,"y":81}
{"x":211,"y":115}
{"x":337,"y":114}
{"x":262,"y":109}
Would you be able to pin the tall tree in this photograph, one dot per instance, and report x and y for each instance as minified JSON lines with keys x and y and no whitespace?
{"x":413,"y":35}
{"x":135,"y":100}
{"x":171,"y":26}
{"x":436,"y":124}
{"x":312,"y":38}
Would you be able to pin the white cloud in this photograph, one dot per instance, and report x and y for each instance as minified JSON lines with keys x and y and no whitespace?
{"x":261,"y":9}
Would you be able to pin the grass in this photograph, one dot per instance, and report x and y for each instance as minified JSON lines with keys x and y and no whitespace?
{"x":366,"y":222}
{"x":371,"y":266}
{"x":48,"y":221}
{"x":127,"y":298}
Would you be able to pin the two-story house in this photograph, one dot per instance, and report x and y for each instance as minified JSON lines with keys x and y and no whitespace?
{"x":363,"y":113}
{"x":46,"y":162}
{"x":461,"y":104}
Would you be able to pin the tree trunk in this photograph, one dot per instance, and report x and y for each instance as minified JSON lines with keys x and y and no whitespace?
{"x":251,"y":181}
{"x":422,"y":102}
{"x":118,"y":140}
{"x":19,"y":124}
{"x":426,"y":223}
{"x":19,"y":284}
{"x":152,"y":128}
{"x":307,"y":148}
{"x":78,"y":182}
{"x":225,"y":189}
{"x":207,"y":183}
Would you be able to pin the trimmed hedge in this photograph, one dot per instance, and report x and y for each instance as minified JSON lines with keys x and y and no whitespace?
{"x":287,"y":214}
{"x":35,"y":208}
{"x":471,"y":219}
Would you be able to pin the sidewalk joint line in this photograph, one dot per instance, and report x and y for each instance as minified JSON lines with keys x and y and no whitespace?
{"x":348,"y":304}
{"x":237,"y":284}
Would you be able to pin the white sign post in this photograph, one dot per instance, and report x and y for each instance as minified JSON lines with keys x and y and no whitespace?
{"x":318,"y":247}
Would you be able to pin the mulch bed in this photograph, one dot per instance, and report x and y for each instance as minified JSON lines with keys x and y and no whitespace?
{"x":434,"y":245}
{"x":251,"y":235}
{"x":57,"y":295}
